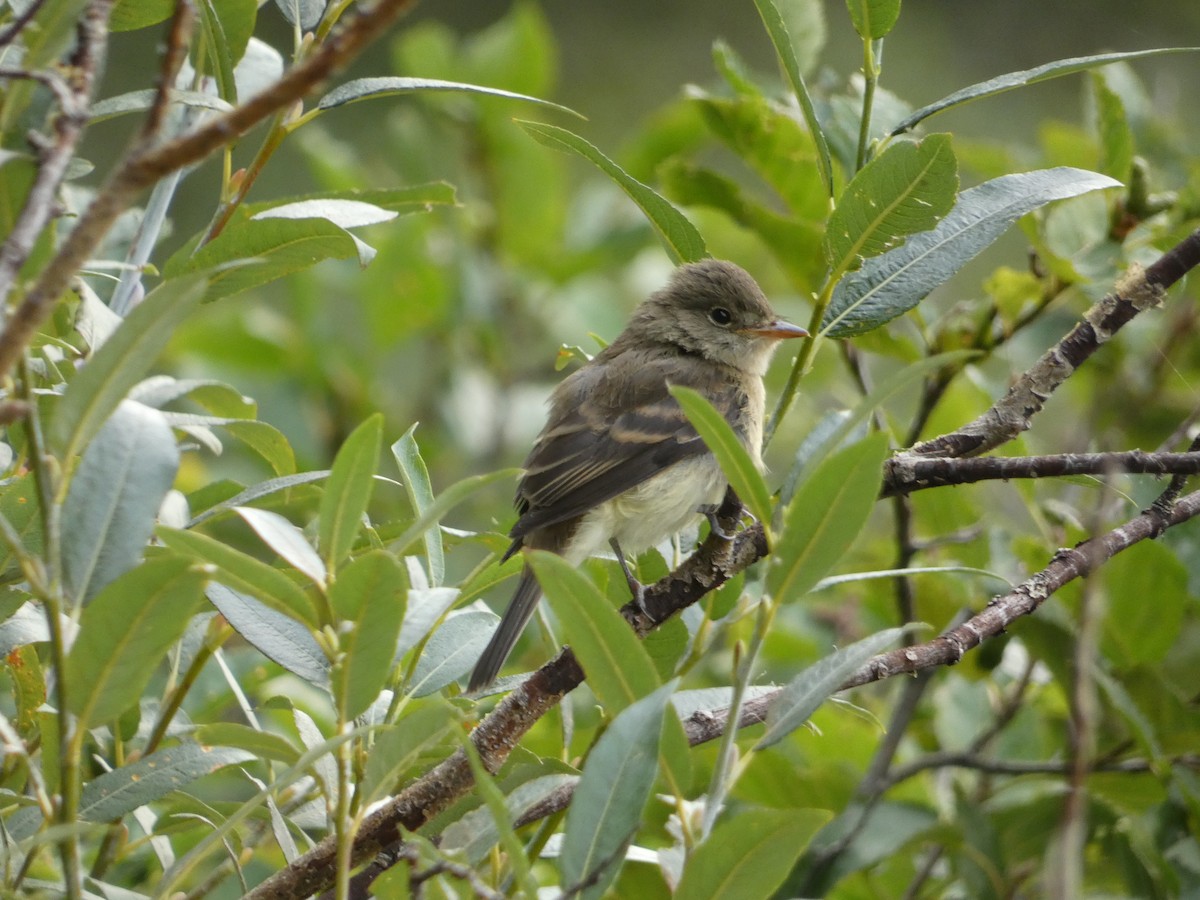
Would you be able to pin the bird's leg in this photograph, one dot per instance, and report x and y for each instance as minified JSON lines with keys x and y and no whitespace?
{"x":636,"y":588}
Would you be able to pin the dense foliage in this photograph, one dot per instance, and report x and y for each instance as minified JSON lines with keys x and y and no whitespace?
{"x":241,"y":585}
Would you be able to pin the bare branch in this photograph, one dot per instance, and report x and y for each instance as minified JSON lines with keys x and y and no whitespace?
{"x":906,"y":473}
{"x":178,"y":37}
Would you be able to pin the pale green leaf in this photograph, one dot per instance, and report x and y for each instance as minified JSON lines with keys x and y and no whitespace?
{"x":348,"y":490}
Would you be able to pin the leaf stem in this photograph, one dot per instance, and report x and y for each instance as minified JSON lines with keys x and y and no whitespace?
{"x":872,"y":58}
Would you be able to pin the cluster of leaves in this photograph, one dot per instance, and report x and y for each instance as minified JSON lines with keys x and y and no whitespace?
{"x":208,"y":674}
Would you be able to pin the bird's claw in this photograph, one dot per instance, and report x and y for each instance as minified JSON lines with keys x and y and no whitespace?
{"x":745,"y":520}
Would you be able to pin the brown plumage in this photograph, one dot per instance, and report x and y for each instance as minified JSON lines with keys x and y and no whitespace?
{"x":618,"y":462}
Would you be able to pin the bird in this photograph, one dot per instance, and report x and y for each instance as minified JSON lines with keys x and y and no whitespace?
{"x":618,"y":464}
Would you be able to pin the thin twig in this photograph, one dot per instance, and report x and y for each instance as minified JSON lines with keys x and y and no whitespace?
{"x":178,"y":38}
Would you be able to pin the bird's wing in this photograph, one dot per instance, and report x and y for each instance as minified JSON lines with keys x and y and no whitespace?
{"x":594,"y":449}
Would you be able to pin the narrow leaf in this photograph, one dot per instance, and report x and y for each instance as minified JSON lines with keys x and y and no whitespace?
{"x":808,"y":690}
{"x":476,"y":832}
{"x":123,"y":632}
{"x":114,"y":498}
{"x":825,"y":517}
{"x":618,"y":669}
{"x":276,"y":636}
{"x":415,"y":476}
{"x":262,"y":744}
{"x":141,"y":101}
{"x":368,"y":600}
{"x":446,"y":501}
{"x":785,"y":50}
{"x":243,"y":572}
{"x":736,"y":461}
{"x":404,"y":200}
{"x":607,"y":807}
{"x":749,"y":855}
{"x":889,"y":285}
{"x":1012,"y":80}
{"x":683,"y":242}
{"x":115,"y":794}
{"x":367,"y":88}
{"x":452,"y":651}
{"x":287,"y":540}
{"x":904,"y":190}
{"x":424,"y":609}
{"x":348,"y":490}
{"x":257,"y":492}
{"x":120,"y":363}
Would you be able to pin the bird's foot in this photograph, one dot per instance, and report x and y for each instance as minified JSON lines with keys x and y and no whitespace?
{"x":636,"y":588}
{"x":744,"y":521}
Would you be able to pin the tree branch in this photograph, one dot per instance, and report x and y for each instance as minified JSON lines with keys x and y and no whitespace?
{"x":144,"y":165}
{"x":1010,"y":416}
{"x":906,"y":473}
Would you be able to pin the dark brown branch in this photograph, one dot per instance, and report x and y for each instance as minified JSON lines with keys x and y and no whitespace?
{"x":144,"y":165}
{"x":20,"y":22}
{"x":1138,"y":291}
{"x":906,"y":473}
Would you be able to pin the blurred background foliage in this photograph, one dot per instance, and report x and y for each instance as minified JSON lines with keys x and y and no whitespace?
{"x":459,"y":324}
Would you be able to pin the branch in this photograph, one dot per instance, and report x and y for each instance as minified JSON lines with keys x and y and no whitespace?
{"x":144,"y":165}
{"x":73,"y":93}
{"x":906,"y":473}
{"x":1010,"y":416}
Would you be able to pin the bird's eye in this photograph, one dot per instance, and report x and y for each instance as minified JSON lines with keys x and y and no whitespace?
{"x":719,"y":315}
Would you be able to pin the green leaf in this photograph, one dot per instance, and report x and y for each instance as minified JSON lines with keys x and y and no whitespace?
{"x":115,"y":794}
{"x":736,"y":461}
{"x":1116,"y":137}
{"x":782,"y":42}
{"x":873,"y":19}
{"x":124,"y":632}
{"x":825,"y":516}
{"x":272,"y":247}
{"x":1137,"y":632}
{"x":607,"y":807}
{"x":141,"y":101}
{"x":367,"y":88}
{"x":348,"y":491}
{"x":415,"y":476}
{"x":257,"y":492}
{"x":129,"y":15}
{"x":1012,"y":80}
{"x":476,"y":833}
{"x":682,"y":241}
{"x":287,"y":540}
{"x":277,"y":636}
{"x":452,"y":651}
{"x":403,"y":200}
{"x":446,"y":501}
{"x":802,"y":695}
{"x":767,"y":137}
{"x":114,"y":498}
{"x":261,"y":744}
{"x":618,"y":669}
{"x":889,"y":285}
{"x":267,"y":441}
{"x":368,"y":600}
{"x":120,"y":363}
{"x":243,"y":573}
{"x":903,"y":190}
{"x":795,"y":244}
{"x":749,"y":856}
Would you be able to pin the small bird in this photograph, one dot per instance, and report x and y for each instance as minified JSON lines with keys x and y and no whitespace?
{"x":618,"y":463}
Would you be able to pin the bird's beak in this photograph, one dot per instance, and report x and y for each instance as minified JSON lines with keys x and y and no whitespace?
{"x":778,"y":330}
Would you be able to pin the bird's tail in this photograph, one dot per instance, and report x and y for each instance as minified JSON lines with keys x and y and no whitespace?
{"x":512,"y":623}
